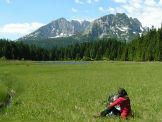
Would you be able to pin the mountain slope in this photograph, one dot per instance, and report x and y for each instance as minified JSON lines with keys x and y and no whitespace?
{"x":60,"y":33}
{"x":58,"y":28}
{"x":118,"y":26}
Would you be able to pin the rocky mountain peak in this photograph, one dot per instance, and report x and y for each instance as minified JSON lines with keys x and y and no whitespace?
{"x":118,"y":26}
{"x":58,"y":28}
{"x":115,"y":26}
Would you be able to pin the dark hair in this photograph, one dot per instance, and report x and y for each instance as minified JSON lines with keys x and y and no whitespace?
{"x":122,"y":92}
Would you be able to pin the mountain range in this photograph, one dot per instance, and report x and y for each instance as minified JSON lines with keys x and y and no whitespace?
{"x":58,"y":28}
{"x":62,"y":32}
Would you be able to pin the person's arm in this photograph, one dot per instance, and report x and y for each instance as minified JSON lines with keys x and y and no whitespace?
{"x":115,"y":103}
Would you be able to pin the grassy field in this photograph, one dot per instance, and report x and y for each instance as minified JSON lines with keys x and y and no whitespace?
{"x":75,"y":92}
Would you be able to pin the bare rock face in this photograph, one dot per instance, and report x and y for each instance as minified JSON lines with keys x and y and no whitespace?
{"x":58,"y":28}
{"x":118,"y":26}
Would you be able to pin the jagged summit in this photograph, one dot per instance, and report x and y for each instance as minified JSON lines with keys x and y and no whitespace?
{"x":58,"y":28}
{"x":118,"y":26}
{"x":115,"y":26}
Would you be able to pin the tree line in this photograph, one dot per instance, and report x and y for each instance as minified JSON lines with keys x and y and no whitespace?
{"x":145,"y":48}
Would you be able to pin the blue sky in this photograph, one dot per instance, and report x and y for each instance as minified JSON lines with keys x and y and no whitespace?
{"x":21,"y":17}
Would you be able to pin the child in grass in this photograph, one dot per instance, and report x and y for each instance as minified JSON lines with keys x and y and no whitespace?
{"x":124,"y":103}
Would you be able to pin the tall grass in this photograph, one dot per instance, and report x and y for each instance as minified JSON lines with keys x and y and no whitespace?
{"x":76,"y":92}
{"x":3,"y":93}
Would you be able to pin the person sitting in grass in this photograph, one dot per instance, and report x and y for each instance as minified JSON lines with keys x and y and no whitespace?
{"x":8,"y":99}
{"x":124,"y":104}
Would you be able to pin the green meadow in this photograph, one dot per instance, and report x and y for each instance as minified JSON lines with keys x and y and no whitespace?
{"x":75,"y":92}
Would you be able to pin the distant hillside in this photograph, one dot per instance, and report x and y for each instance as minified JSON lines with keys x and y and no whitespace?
{"x":61,"y":42}
{"x":61,"y":32}
{"x":58,"y":28}
{"x":145,"y":48}
{"x":118,"y":26}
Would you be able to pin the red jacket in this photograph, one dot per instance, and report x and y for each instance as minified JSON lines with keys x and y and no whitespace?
{"x":124,"y":104}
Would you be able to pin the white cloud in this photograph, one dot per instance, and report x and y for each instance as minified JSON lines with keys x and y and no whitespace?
{"x":96,"y":0}
{"x":101,"y":9}
{"x":150,"y":3}
{"x":18,"y":28}
{"x":160,"y":2}
{"x":112,"y":10}
{"x":151,"y":16}
{"x":108,"y":10}
{"x":74,"y":10}
{"x":119,"y":10}
{"x":120,"y":1}
{"x":128,"y":8}
{"x":147,"y":11}
{"x":79,"y":2}
{"x":89,"y":1}
{"x":8,"y":1}
{"x":82,"y":18}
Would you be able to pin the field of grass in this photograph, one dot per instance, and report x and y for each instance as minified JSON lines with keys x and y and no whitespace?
{"x":75,"y":92}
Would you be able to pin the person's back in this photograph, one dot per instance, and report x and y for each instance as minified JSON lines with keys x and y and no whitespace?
{"x":124,"y":104}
